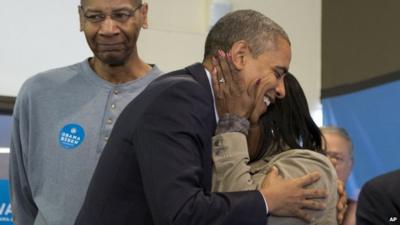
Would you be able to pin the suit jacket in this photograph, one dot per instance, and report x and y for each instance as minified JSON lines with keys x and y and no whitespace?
{"x":379,"y":201}
{"x":156,"y":166}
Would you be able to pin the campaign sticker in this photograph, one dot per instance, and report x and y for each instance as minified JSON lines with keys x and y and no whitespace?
{"x":71,"y":136}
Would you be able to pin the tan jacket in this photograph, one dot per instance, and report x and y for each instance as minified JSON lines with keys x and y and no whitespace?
{"x":232,"y":172}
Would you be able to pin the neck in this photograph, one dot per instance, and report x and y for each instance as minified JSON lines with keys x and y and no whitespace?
{"x":132,"y":69}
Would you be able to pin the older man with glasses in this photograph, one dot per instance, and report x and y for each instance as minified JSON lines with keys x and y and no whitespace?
{"x":63,"y":117}
{"x":339,"y":149}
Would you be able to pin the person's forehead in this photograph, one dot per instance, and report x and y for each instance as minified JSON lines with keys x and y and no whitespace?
{"x":108,"y":4}
{"x":280,"y":56}
{"x":335,"y":142}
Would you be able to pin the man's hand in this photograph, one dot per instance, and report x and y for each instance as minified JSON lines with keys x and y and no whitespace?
{"x":231,"y":93}
{"x":342,"y":202}
{"x":290,"y":197}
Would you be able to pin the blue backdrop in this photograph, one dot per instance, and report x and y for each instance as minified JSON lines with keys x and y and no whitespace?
{"x":5,"y":207}
{"x":372,"y":118}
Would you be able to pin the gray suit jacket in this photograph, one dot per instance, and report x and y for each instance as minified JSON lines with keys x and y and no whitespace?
{"x":379,"y":200}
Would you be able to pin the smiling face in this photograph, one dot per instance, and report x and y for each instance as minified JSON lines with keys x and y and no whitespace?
{"x":112,"y":28}
{"x":270,"y":67}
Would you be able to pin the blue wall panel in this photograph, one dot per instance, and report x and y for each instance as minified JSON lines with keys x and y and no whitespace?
{"x":5,"y":207}
{"x":372,"y":118}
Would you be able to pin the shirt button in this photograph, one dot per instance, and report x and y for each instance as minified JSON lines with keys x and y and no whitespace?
{"x":106,"y":138}
{"x":113,"y":106}
{"x":116,"y":92}
{"x":109,"y":121}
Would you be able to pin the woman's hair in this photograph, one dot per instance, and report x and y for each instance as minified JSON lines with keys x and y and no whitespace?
{"x":288,"y":123}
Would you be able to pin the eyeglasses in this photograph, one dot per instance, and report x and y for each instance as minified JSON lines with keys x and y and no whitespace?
{"x":338,"y":157}
{"x":121,"y":16}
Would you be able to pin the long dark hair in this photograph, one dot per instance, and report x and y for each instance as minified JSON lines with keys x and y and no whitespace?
{"x":288,"y":124}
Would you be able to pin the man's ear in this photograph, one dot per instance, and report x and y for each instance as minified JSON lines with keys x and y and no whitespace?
{"x":143,"y":11}
{"x":239,"y":51}
{"x":80,"y":11}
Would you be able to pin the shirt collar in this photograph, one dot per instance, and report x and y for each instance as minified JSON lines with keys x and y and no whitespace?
{"x":212,"y":92}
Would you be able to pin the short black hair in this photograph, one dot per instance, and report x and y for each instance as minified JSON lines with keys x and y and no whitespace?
{"x":249,"y":25}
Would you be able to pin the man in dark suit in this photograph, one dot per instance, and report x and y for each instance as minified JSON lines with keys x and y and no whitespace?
{"x":379,"y":200}
{"x":156,"y":167}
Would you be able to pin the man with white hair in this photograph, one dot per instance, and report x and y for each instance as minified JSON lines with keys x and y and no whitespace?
{"x":339,"y":149}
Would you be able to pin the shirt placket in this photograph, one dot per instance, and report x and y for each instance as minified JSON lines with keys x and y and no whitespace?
{"x":110,"y":117}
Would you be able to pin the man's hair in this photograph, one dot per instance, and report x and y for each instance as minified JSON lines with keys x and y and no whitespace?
{"x":341,"y":132}
{"x":138,"y":2}
{"x":248,"y":25}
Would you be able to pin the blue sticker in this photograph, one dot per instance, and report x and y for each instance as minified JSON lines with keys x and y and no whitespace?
{"x":71,"y":136}
{"x":5,"y":206}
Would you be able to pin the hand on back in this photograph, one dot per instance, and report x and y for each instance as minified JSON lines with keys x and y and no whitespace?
{"x":291,"y":197}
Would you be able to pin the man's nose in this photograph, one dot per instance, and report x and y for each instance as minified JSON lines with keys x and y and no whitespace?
{"x":109,"y":27}
{"x":280,"y":89}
